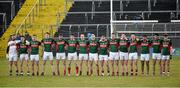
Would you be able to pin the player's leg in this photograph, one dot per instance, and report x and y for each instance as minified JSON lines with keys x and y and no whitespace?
{"x":154,"y":65}
{"x":57,"y":64}
{"x":147,"y":66}
{"x":163,"y":64}
{"x":27,"y":64}
{"x":43,"y":67}
{"x":168,"y":66}
{"x":10,"y":67}
{"x":21,"y":64}
{"x":107,"y":66}
{"x":160,"y":66}
{"x":16,"y":66}
{"x":142,"y":63}
{"x":102,"y":67}
{"x":117,"y":67}
{"x":81,"y":63}
{"x":64,"y":65}
{"x":37,"y":67}
{"x":126,"y":63}
{"x":69,"y":64}
{"x":87,"y":65}
{"x":136,"y":66}
{"x":112,"y":66}
{"x":76,"y":63}
{"x":131,"y":63}
{"x":52,"y":67}
{"x":44,"y":63}
{"x":32,"y":66}
{"x":90,"y":67}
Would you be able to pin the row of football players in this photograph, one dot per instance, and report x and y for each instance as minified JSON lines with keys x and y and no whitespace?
{"x":102,"y":52}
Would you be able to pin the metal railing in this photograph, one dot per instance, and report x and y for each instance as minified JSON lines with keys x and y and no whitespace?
{"x":31,"y":15}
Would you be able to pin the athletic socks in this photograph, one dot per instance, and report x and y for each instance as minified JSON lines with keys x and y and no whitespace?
{"x":117,"y":73}
{"x":131,"y":72}
{"x":54,"y":73}
{"x":17,"y":72}
{"x":112,"y":73}
{"x":42,"y":74}
{"x":102,"y":73}
{"x":64,"y":72}
{"x":77,"y":70}
{"x":10,"y":73}
{"x":98,"y":72}
{"x":69,"y":71}
{"x":80,"y":73}
{"x":28,"y":73}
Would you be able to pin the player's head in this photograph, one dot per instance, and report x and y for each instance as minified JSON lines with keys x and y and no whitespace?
{"x":34,"y":37}
{"x":103,"y":37}
{"x":123,"y":36}
{"x":165,"y":35}
{"x":113,"y":35}
{"x":22,"y":38}
{"x":93,"y":36}
{"x":144,"y":37}
{"x":13,"y":37}
{"x":60,"y":36}
{"x":72,"y":36}
{"x":156,"y":36}
{"x":82,"y":36}
{"x":46,"y":35}
{"x":133,"y":36}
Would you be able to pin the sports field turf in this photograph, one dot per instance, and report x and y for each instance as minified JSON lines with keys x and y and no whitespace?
{"x":90,"y":81}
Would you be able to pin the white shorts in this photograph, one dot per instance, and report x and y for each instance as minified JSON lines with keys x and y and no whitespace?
{"x":156,"y":56}
{"x":133,"y":56}
{"x":123,"y":56}
{"x":144,"y":57}
{"x":103,"y":57}
{"x":93,"y":56}
{"x":83,"y":56}
{"x":113,"y":55}
{"x":48,"y":55}
{"x":13,"y":57}
{"x":165,"y":57}
{"x":72,"y":56}
{"x":34,"y":57}
{"x":24,"y":56}
{"x":60,"y":56}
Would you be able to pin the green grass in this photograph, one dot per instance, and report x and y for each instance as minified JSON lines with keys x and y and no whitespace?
{"x":90,"y":81}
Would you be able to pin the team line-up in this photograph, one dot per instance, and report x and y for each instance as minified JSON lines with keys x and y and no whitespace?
{"x":103,"y":52}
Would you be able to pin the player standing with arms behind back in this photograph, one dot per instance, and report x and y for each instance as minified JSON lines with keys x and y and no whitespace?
{"x":83,"y":53}
{"x":93,"y":54}
{"x":166,"y":51}
{"x":60,"y":52}
{"x":72,"y":54}
{"x":123,"y":48}
{"x":156,"y":56}
{"x":114,"y":54}
{"x":47,"y":43}
{"x":103,"y":54}
{"x":133,"y":55}
{"x":145,"y":44}
{"x":34,"y":53}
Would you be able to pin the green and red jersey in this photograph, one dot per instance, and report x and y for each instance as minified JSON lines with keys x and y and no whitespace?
{"x":72,"y":44}
{"x":83,"y":46}
{"x":60,"y":45}
{"x":166,"y":46}
{"x":93,"y":46}
{"x":34,"y":47}
{"x":133,"y":46}
{"x":23,"y":48}
{"x":48,"y":42}
{"x":156,"y":45}
{"x":103,"y":47}
{"x":145,"y":45}
{"x":123,"y":45}
{"x":113,"y":45}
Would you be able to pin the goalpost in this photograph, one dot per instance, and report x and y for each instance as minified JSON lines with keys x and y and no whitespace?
{"x":114,"y":22}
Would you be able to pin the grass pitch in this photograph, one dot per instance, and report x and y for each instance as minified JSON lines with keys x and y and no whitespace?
{"x":90,"y":81}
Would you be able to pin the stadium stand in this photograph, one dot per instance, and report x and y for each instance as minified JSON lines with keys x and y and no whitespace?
{"x":35,"y":17}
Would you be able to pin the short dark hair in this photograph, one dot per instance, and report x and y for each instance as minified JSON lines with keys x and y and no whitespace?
{"x":144,"y":35}
{"x":47,"y":33}
{"x":156,"y":34}
{"x":60,"y":34}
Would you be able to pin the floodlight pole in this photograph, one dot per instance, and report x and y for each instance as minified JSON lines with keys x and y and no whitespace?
{"x":111,"y":19}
